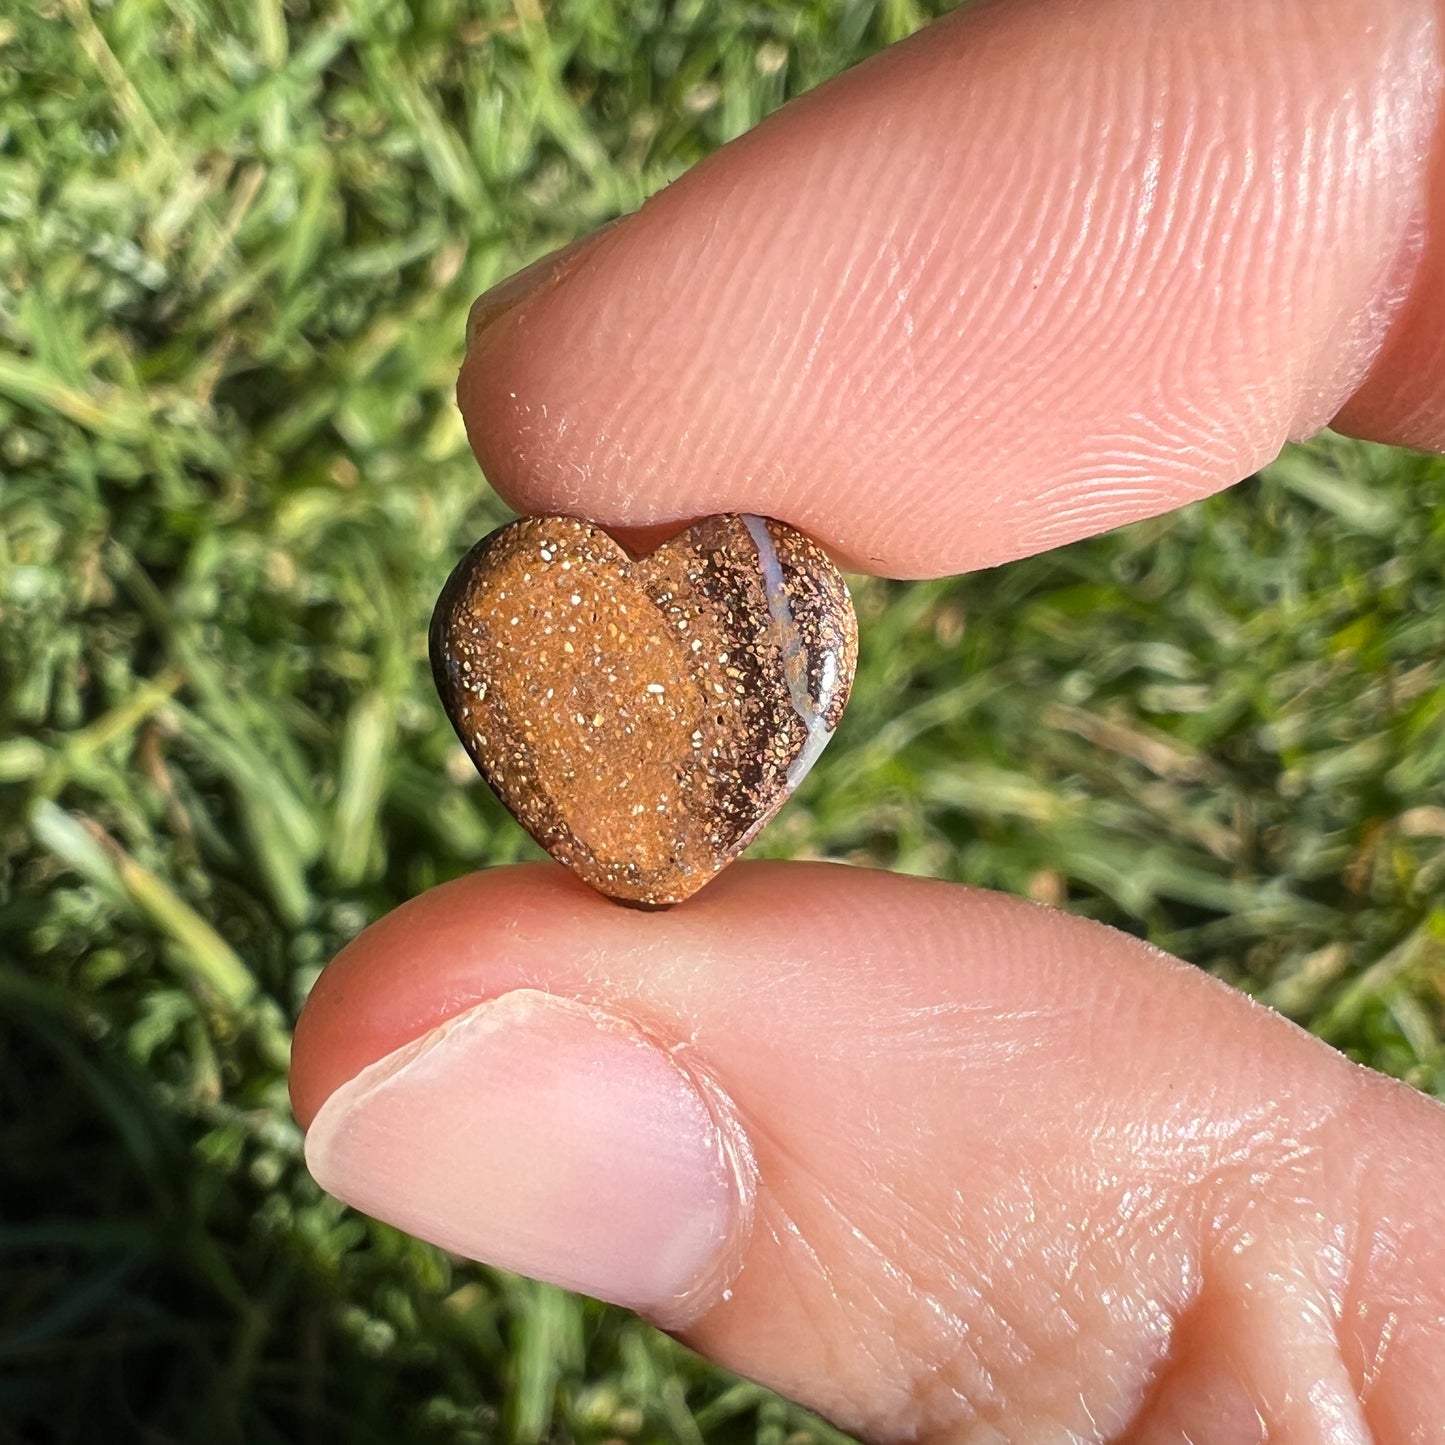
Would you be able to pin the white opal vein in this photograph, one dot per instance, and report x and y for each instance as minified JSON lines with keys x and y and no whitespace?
{"x":813,"y":712}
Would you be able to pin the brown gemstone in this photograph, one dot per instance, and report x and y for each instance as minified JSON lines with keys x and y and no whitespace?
{"x":643,"y":718}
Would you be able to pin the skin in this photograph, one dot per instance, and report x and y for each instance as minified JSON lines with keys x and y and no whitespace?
{"x":1019,"y":1178}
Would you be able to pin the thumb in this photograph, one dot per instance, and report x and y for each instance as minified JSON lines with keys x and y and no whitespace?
{"x":1041,"y":270}
{"x":938,"y":1163}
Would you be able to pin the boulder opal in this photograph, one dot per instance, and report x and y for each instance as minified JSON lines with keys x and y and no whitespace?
{"x":643,"y":718}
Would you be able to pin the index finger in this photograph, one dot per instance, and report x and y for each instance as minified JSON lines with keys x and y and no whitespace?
{"x":1042,"y":270}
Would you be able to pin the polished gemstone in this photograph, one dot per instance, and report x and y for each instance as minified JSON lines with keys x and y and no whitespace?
{"x":643,"y":718}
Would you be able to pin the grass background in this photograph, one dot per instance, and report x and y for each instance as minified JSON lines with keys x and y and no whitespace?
{"x":238,"y":239}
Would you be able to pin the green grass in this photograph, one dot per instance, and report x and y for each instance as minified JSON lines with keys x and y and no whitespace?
{"x":237,"y":245}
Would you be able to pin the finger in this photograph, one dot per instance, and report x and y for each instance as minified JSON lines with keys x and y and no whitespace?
{"x":1041,"y":270}
{"x":932,"y":1161}
{"x":1402,"y":398}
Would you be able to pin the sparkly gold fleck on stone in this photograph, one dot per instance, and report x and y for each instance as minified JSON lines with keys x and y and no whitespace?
{"x":643,"y":719}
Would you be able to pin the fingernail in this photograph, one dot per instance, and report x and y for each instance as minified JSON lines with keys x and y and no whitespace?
{"x":544,"y":1137}
{"x":530,"y":280}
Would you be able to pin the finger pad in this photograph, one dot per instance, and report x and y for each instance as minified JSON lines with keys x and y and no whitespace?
{"x":1021,"y":279}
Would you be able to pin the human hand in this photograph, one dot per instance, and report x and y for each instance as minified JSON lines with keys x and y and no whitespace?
{"x":942,"y":1164}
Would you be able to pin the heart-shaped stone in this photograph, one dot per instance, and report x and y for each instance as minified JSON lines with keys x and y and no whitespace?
{"x":643,"y":718}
